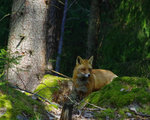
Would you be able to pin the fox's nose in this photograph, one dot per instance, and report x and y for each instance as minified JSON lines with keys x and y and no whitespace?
{"x":87,"y":75}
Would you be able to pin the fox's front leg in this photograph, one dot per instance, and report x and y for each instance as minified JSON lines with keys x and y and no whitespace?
{"x":81,"y":88}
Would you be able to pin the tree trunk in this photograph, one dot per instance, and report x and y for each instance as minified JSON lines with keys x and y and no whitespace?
{"x":94,"y":29}
{"x":55,"y":13}
{"x":27,"y":39}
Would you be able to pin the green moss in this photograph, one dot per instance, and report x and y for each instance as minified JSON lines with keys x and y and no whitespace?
{"x":17,"y":103}
{"x":122,"y":112}
{"x":123,"y":91}
{"x":106,"y":113}
{"x":48,"y":86}
{"x":145,"y":109}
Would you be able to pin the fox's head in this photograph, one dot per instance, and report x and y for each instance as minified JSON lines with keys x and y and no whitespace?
{"x":83,"y":67}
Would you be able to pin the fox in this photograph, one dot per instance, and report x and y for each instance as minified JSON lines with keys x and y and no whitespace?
{"x":86,"y":79}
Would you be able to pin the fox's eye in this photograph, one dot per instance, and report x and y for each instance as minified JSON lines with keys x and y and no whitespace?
{"x":90,"y":69}
{"x":83,"y":69}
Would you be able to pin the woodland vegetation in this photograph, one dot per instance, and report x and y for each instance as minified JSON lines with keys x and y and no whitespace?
{"x":40,"y":36}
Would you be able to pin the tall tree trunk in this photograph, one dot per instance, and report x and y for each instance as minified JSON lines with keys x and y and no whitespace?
{"x":94,"y":29}
{"x":55,"y":13}
{"x":27,"y":38}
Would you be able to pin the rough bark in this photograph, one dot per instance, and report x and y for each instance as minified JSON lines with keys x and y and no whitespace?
{"x":27,"y":39}
{"x":94,"y":29}
{"x":55,"y":13}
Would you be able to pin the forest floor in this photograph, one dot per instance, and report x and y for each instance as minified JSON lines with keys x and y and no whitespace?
{"x":126,"y":98}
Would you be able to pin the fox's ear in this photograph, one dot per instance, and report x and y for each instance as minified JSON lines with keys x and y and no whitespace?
{"x":79,"y":60}
{"x":91,"y":60}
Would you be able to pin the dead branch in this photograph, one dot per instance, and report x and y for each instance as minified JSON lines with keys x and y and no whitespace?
{"x":100,"y":108}
{"x":91,"y":109}
{"x":37,"y":95}
{"x":65,"y":76}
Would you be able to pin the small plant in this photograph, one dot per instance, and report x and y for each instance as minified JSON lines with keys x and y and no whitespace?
{"x":7,"y":61}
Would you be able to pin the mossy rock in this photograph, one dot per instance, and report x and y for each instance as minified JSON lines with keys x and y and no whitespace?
{"x":15,"y":105}
{"x":53,"y":88}
{"x":122,"y":92}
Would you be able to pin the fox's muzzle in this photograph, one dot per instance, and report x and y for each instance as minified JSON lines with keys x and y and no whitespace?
{"x":87,"y":75}
{"x":82,"y":75}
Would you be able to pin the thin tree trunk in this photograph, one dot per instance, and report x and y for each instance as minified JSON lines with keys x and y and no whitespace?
{"x":27,"y":38}
{"x":61,"y":37}
{"x":94,"y":29}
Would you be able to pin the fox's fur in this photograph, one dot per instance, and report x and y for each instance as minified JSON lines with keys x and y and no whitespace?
{"x":87,"y":80}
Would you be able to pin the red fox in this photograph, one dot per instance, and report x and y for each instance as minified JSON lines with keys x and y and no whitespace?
{"x":87,"y":80}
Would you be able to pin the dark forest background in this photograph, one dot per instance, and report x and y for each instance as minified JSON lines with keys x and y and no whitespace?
{"x":123,"y":44}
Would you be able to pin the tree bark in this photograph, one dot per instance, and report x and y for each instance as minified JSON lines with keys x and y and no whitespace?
{"x":94,"y":29}
{"x":55,"y":13}
{"x":27,"y":39}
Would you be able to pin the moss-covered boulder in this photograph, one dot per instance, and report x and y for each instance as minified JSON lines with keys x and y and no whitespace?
{"x":124,"y":97}
{"x":54,"y":88}
{"x":15,"y":105}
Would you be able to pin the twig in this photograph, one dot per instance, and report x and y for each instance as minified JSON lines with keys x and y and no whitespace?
{"x":73,"y":101}
{"x":100,"y":108}
{"x":4,"y":16}
{"x":55,"y":6}
{"x":91,"y":109}
{"x":71,"y":4}
{"x":61,"y":2}
{"x":60,"y":74}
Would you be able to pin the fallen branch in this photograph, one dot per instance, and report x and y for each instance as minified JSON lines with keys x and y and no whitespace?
{"x":83,"y":107}
{"x":91,"y":109}
{"x":100,"y":108}
{"x":60,"y":74}
{"x":38,"y":96}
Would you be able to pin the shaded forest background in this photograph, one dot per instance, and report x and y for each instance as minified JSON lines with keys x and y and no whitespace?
{"x":123,"y":40}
